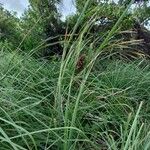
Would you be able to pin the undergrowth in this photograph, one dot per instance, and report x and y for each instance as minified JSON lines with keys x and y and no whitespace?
{"x":113,"y":105}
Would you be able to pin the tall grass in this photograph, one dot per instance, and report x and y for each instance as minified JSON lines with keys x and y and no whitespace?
{"x":51,"y":105}
{"x":107,"y":109}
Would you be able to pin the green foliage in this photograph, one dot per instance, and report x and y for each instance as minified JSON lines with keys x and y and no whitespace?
{"x":32,"y":27}
{"x":9,"y":27}
{"x":50,"y":21}
{"x":143,"y":13}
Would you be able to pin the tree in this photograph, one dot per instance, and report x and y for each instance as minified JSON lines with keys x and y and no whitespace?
{"x":107,"y":13}
{"x":51,"y":24}
{"x":9,"y":27}
{"x":32,"y":27}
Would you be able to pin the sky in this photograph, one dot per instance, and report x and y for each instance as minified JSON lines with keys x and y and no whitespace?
{"x":15,"y":5}
{"x":19,"y":6}
{"x":68,"y":7}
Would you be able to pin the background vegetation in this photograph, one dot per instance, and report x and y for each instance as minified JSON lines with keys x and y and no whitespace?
{"x":75,"y":84}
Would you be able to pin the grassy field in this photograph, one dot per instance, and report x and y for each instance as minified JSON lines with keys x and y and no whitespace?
{"x":42,"y":108}
{"x":54,"y":105}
